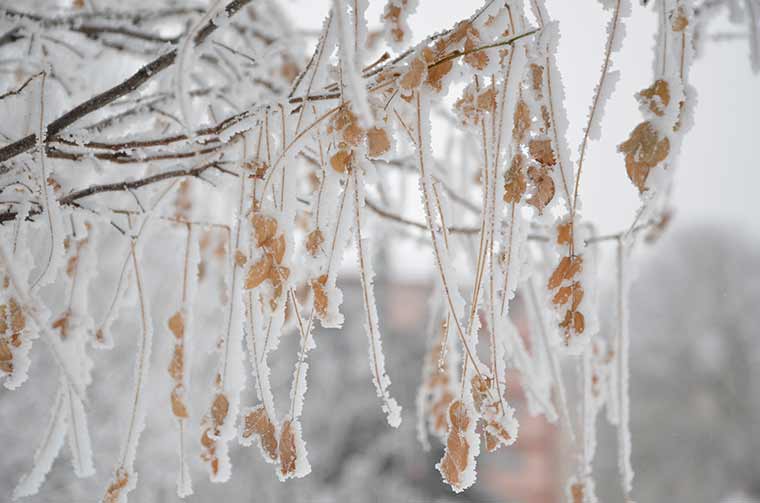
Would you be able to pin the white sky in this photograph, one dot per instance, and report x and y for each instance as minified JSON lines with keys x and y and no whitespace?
{"x":718,"y":176}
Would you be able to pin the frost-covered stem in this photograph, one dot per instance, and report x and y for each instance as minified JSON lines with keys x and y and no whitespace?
{"x":316,"y":61}
{"x":598,"y":96}
{"x":554,"y":366}
{"x":182,"y":55}
{"x":306,"y":343}
{"x":445,"y":283}
{"x":46,"y":452}
{"x":257,"y":362}
{"x":377,"y":359}
{"x":143,"y":361}
{"x":623,"y":344}
{"x":125,"y":469}
{"x":234,"y":292}
{"x":350,"y":66}
{"x":50,"y":205}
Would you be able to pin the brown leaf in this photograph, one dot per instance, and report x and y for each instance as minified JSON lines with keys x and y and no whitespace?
{"x":341,"y":160}
{"x":320,"y":297}
{"x":314,"y":242}
{"x":541,"y":151}
{"x":113,"y":492}
{"x":521,"y":121}
{"x":62,"y":325}
{"x":71,"y":265}
{"x":3,"y":322}
{"x":219,"y":409}
{"x":378,"y":141}
{"x":240,"y":258}
{"x":178,"y":405}
{"x":439,"y":411}
{"x":659,"y":90}
{"x":6,"y":356}
{"x":496,"y":435}
{"x":478,"y":59}
{"x":18,"y":320}
{"x":454,"y":460}
{"x":264,"y":228}
{"x":487,"y":100}
{"x":259,"y":272}
{"x":644,"y":149}
{"x":577,"y":492}
{"x":177,"y":364}
{"x":277,"y":248}
{"x":544,"y":187}
{"x":177,"y":325}
{"x":257,"y":422}
{"x":566,"y":269}
{"x":412,"y":78}
{"x":537,"y":79}
{"x":579,"y":322}
{"x":680,"y":20}
{"x":515,"y":183}
{"x":565,"y":233}
{"x":393,"y":15}
{"x":437,"y":73}
{"x":287,"y":448}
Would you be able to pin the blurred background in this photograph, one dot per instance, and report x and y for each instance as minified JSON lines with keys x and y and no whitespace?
{"x":695,"y":327}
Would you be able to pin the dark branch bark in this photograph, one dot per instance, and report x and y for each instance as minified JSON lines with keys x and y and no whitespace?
{"x":135,"y":184}
{"x":73,"y":197}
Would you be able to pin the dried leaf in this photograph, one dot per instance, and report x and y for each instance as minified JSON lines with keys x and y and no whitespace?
{"x":378,"y":141}
{"x":287,"y":447}
{"x":259,"y":272}
{"x":412,"y":78}
{"x":178,"y":405}
{"x":113,"y":492}
{"x":542,"y":151}
{"x":565,"y":233}
{"x":454,"y":461}
{"x":264,"y":228}
{"x":257,"y":422}
{"x":496,"y":435}
{"x":477,"y":59}
{"x":18,"y":320}
{"x":240,"y":258}
{"x":436,"y":74}
{"x":544,"y":187}
{"x":219,"y":409}
{"x":320,"y":297}
{"x":515,"y":183}
{"x":644,"y":149}
{"x":341,"y":160}
{"x":521,"y":120}
{"x":537,"y":79}
{"x":177,"y":325}
{"x":276,"y":247}
{"x":314,"y":242}
{"x":680,"y":20}
{"x":657,"y":97}
{"x":177,"y":364}
{"x":566,"y":269}
{"x":6,"y":356}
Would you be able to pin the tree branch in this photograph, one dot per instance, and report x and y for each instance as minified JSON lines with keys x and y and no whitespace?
{"x":133,"y":83}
